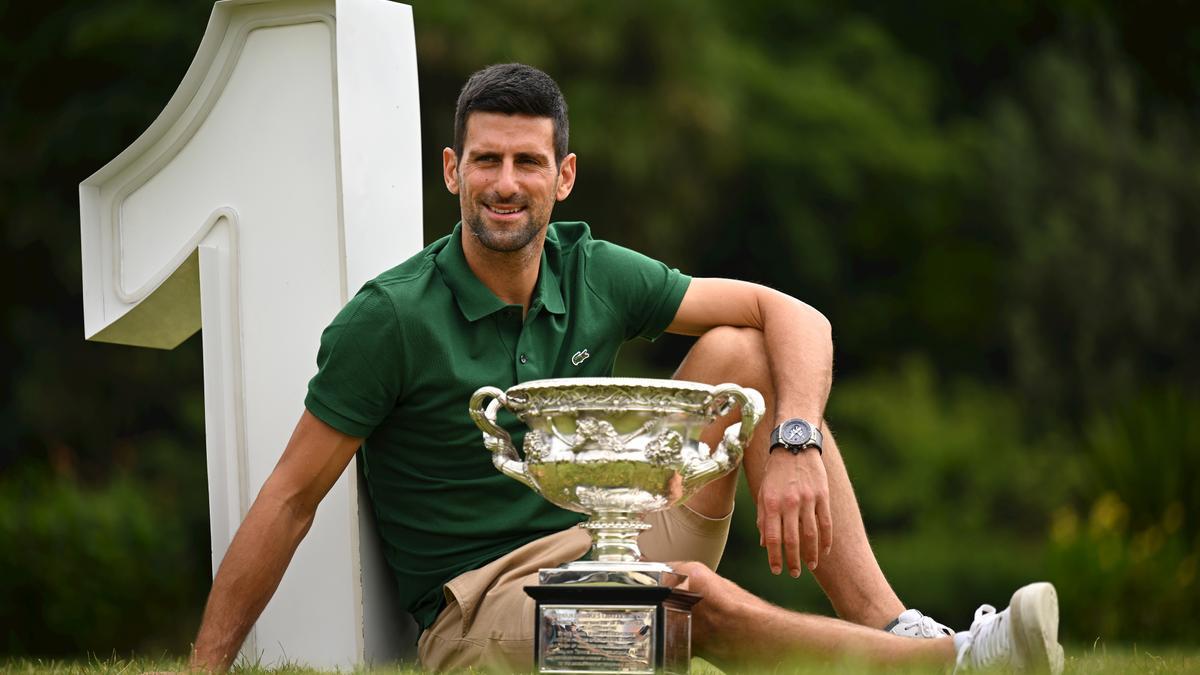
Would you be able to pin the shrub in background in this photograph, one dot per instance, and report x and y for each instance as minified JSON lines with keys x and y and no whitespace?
{"x":104,"y":569}
{"x":955,"y":496}
{"x":1126,"y":559}
{"x":963,"y":506}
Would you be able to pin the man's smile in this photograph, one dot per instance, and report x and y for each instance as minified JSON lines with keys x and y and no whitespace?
{"x":504,"y":212}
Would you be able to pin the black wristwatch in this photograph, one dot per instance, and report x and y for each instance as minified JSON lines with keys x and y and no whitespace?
{"x":796,"y":435}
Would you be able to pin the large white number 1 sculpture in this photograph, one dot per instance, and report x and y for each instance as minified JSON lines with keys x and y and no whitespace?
{"x":282,"y":175}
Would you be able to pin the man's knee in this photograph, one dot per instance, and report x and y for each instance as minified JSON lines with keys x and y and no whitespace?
{"x":731,"y":343}
{"x":729,"y":354}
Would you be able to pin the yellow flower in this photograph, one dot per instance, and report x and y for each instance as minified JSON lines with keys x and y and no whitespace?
{"x":1147,"y":543}
{"x":1186,"y":573}
{"x":1109,"y":514}
{"x":1064,"y":527}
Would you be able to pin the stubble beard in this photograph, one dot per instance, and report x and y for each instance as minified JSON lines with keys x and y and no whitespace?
{"x":508,"y":240}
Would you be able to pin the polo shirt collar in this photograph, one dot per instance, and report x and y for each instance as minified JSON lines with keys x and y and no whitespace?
{"x":475,"y":300}
{"x":549,"y":287}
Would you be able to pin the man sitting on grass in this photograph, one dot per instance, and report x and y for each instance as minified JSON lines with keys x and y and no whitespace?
{"x":509,"y":297}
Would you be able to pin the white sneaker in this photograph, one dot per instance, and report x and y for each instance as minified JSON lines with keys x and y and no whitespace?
{"x":914,"y":624}
{"x":1024,"y":636}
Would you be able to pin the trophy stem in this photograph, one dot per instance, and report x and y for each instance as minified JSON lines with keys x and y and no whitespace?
{"x":614,"y":537}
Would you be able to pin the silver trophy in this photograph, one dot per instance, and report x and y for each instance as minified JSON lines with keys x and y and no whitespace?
{"x":614,"y":449}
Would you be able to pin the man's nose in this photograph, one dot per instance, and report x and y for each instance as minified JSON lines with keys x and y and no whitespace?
{"x":506,"y":181}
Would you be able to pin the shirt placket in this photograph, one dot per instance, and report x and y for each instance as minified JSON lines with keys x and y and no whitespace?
{"x":527,"y":361}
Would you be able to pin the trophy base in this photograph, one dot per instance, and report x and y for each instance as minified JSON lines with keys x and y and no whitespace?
{"x":612,"y":628}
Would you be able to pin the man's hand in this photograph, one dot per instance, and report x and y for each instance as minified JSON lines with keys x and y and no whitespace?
{"x":793,"y":510}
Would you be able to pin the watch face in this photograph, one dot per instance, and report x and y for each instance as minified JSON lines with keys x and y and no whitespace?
{"x":795,"y":432}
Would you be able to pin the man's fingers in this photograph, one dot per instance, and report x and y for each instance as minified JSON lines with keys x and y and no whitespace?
{"x":774,"y":542}
{"x":772,"y":538}
{"x":808,"y":521}
{"x":758,"y":522}
{"x":791,"y":540}
{"x":825,"y":521}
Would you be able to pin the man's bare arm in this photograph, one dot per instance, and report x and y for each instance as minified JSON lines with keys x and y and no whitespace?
{"x":798,"y":337}
{"x":313,"y":460}
{"x":793,"y":497}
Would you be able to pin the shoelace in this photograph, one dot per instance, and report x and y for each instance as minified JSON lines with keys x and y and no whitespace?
{"x":915,"y":624}
{"x":928,"y":628}
{"x":984,"y":647}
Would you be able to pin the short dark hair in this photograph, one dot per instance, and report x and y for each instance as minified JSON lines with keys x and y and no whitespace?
{"x":514,"y":89}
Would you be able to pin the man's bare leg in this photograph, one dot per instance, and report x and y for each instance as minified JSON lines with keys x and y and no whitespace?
{"x":732,"y":627}
{"x":716,"y":359}
{"x":849,"y":574}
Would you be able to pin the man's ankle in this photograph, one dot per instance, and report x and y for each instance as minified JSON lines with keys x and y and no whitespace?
{"x":871,"y":613}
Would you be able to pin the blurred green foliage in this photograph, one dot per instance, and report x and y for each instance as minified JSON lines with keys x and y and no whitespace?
{"x":1097,"y":196}
{"x":996,"y":205}
{"x":1131,"y":546}
{"x":106,"y":568}
{"x":954,"y":498}
{"x":963,"y":506}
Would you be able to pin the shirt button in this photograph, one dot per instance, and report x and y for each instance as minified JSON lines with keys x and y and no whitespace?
{"x":523,"y":359}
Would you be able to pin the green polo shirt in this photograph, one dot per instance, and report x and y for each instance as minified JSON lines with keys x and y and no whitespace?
{"x":399,"y":363}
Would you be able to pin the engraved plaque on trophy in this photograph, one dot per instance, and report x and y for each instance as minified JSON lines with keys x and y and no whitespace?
{"x":614,"y":449}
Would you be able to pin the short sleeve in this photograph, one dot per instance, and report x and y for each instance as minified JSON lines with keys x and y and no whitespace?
{"x":358,"y":380}
{"x":644,"y":291}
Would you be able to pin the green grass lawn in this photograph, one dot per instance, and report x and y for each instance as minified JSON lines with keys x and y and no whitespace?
{"x":1098,"y":660}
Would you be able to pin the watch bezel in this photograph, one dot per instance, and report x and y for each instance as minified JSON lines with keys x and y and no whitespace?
{"x":791,"y":424}
{"x":814,"y":439}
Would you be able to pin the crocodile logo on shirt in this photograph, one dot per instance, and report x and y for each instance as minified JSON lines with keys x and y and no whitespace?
{"x":579,"y":357}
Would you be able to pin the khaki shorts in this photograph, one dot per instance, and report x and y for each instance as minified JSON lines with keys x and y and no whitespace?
{"x":488,"y":619}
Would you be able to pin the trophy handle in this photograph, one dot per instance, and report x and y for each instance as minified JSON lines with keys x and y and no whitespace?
{"x":495,"y":438}
{"x":729,"y":451}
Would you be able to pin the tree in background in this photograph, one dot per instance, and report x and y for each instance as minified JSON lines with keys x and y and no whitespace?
{"x":1098,"y":197}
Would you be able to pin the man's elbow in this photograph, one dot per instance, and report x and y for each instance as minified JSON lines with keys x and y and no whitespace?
{"x":821,"y":325}
{"x":295,"y":505}
{"x":816,"y":323}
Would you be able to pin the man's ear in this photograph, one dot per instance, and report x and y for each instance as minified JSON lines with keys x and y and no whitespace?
{"x":566,"y":177}
{"x":450,"y":170}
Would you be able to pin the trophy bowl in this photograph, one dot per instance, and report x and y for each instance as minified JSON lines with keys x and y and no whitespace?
{"x":616,"y":449}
